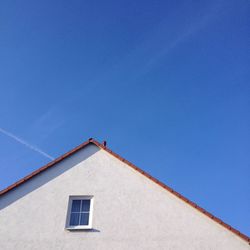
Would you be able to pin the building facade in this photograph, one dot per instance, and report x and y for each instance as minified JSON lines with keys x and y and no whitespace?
{"x":91,"y":198}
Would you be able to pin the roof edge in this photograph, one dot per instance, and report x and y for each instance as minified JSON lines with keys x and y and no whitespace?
{"x":161,"y":184}
{"x":45,"y":167}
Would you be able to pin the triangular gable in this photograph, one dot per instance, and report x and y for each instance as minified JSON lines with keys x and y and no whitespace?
{"x":103,"y":146}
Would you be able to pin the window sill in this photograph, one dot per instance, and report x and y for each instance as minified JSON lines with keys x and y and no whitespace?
{"x":79,"y":228}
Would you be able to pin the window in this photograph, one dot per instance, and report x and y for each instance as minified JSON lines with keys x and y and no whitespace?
{"x":80,"y":212}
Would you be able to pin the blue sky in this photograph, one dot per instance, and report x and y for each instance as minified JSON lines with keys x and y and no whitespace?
{"x":166,"y":83}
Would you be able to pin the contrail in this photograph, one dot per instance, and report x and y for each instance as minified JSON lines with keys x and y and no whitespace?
{"x":34,"y":148}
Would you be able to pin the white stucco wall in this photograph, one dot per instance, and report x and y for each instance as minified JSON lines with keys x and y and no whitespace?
{"x":130,"y":211}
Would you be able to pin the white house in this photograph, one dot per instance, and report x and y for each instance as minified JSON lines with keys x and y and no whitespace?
{"x":91,"y":198}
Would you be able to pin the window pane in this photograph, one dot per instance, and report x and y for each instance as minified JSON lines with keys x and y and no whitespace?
{"x":76,"y":206}
{"x":84,"y":220}
{"x":85,"y":205}
{"x":74,"y":219}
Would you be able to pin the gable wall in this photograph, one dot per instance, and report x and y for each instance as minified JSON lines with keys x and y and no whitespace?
{"x":130,"y":211}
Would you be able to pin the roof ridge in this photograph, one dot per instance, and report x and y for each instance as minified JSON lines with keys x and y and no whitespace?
{"x":104,"y":147}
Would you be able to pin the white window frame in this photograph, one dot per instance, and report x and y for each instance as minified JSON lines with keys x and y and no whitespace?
{"x":80,"y":197}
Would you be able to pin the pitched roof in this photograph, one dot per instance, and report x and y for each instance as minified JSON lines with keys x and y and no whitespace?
{"x":103,"y":146}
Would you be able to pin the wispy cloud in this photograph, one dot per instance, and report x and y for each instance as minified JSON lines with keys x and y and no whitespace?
{"x":48,"y":122}
{"x":26,"y":144}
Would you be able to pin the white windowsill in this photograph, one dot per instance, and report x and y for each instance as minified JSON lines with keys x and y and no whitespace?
{"x":79,"y":228}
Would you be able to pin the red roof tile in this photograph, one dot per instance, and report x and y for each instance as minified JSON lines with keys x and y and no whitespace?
{"x":103,"y":146}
